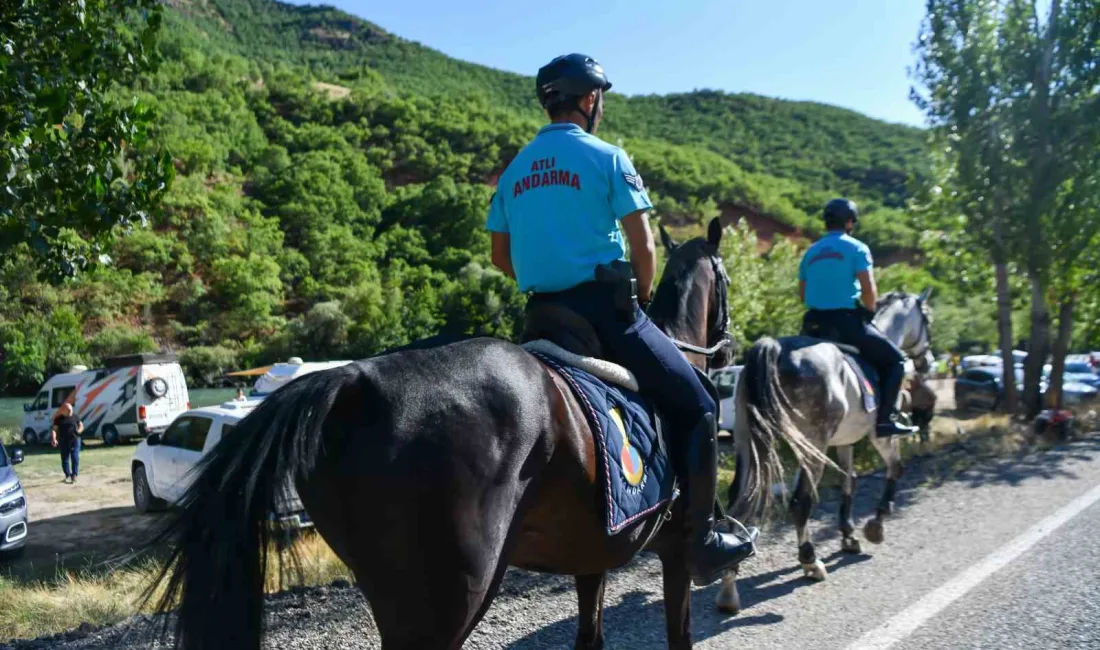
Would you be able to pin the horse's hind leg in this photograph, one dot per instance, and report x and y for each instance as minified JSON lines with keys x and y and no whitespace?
{"x":802,"y":503}
{"x":848,"y":544}
{"x":590,"y":604}
{"x":890,"y":451}
{"x":428,"y":578}
{"x":426,"y":609}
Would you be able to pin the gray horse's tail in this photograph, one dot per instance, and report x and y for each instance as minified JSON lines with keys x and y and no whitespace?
{"x":764,"y":416}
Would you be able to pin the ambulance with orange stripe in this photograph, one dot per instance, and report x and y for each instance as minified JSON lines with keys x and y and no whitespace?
{"x":129,"y":397}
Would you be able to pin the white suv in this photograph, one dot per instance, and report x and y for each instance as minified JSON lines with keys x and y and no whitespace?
{"x":162,"y":463}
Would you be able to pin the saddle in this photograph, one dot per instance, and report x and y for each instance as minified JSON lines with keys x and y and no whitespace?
{"x":866,"y":376}
{"x":634,"y":465}
{"x":562,"y":326}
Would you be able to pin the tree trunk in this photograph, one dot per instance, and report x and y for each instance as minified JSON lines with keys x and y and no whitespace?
{"x":1041,"y":194}
{"x":1037,"y":347}
{"x":1004,"y":327}
{"x":1055,"y":398}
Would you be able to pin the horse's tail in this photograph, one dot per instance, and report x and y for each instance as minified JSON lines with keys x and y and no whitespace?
{"x":221,"y":533}
{"x":763,"y":418}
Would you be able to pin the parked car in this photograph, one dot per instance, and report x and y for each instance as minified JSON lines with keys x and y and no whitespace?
{"x":725,"y":380}
{"x":990,"y":360}
{"x":130,"y":397}
{"x":1082,"y":372}
{"x":981,"y":388}
{"x":162,"y":464}
{"x":13,"y":505}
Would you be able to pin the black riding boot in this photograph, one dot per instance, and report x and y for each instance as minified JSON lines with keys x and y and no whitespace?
{"x":712,"y":552}
{"x":890,"y":382}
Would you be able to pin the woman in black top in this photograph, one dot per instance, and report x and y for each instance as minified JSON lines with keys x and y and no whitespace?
{"x":65,"y":435}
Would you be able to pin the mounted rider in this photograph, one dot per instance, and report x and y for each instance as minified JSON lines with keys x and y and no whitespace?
{"x":554,"y":223}
{"x":837,"y":285}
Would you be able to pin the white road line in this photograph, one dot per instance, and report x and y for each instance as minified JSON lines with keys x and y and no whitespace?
{"x":911,"y":618}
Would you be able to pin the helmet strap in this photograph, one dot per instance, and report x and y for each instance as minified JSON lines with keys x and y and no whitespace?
{"x":590,"y":118}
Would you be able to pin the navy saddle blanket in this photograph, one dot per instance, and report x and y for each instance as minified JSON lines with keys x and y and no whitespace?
{"x":634,"y":468}
{"x":867,"y":379}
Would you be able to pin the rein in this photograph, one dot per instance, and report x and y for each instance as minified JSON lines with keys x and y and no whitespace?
{"x":707,"y":352}
{"x":924,"y":334}
{"x":722,"y":282}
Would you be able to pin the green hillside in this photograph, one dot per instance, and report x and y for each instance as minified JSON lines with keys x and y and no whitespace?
{"x":827,"y":150}
{"x":332,"y":184}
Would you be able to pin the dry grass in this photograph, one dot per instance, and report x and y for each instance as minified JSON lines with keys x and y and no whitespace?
{"x":29,"y":610}
{"x":9,"y":436}
{"x":45,"y":607}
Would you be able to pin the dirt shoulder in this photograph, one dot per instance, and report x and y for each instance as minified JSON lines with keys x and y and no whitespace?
{"x":86,"y":523}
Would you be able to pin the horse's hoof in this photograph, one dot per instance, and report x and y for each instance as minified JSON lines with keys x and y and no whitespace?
{"x":815,"y":571}
{"x":850,"y":545}
{"x":872,"y":532}
{"x":728,"y":601}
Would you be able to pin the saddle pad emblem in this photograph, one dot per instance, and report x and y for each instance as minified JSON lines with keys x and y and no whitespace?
{"x":629,"y":458}
{"x":868,"y":386}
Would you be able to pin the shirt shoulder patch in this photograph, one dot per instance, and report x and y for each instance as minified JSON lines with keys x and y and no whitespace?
{"x":635,"y":181}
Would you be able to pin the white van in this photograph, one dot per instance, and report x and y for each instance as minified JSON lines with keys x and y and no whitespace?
{"x":130,"y":397}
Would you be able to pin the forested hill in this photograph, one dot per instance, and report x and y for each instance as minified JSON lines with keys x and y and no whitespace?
{"x":827,"y":150}
{"x":332,"y":182}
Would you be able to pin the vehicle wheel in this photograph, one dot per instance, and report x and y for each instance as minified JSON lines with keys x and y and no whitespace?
{"x":30,"y":437}
{"x":144,"y":500}
{"x":110,"y":435}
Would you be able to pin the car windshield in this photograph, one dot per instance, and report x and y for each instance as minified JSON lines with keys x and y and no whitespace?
{"x":1079,"y":368}
{"x":3,"y":457}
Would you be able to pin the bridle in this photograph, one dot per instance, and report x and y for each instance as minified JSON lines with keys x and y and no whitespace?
{"x":720,"y":325}
{"x":924,"y":333}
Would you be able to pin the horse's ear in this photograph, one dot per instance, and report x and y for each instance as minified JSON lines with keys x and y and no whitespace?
{"x":926,"y":294}
{"x":714,"y":232}
{"x":666,"y":239}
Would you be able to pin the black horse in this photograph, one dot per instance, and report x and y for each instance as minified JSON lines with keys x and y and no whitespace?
{"x":430,"y":471}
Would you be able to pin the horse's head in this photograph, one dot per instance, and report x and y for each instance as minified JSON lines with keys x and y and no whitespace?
{"x":906,"y":319}
{"x":691,"y":304}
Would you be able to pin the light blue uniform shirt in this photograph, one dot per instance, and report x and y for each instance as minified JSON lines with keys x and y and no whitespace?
{"x":829,"y":270}
{"x":560,"y":201}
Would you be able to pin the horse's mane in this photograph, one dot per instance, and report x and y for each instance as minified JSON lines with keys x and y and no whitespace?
{"x":885,"y":301}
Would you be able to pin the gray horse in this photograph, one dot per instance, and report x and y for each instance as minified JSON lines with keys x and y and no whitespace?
{"x":801,"y":390}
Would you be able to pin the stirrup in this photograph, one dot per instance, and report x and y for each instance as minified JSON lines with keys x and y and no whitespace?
{"x":730,"y":526}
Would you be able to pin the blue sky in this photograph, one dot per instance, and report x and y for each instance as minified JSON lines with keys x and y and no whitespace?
{"x":851,"y":53}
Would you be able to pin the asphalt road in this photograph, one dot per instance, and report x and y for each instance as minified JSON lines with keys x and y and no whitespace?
{"x":1000,"y":555}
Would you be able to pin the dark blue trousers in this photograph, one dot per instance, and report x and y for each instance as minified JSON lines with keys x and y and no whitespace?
{"x":849,"y":327}
{"x":664,"y":376}
{"x":71,"y":455}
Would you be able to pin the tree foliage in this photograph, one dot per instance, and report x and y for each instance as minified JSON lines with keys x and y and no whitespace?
{"x":76,"y":157}
{"x":1012,"y":91}
{"x":332,"y":182}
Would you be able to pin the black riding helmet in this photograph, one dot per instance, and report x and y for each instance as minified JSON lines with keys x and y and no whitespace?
{"x":839,"y":211}
{"x":568,"y":78}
